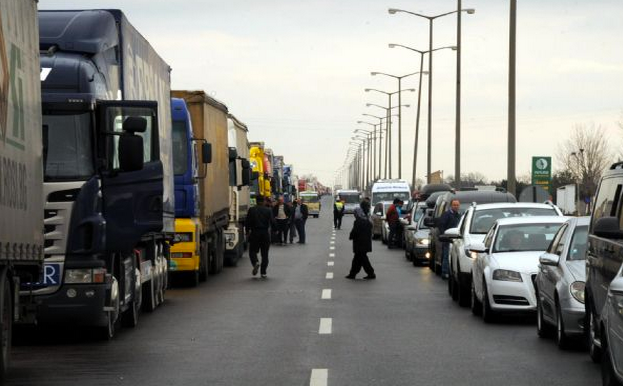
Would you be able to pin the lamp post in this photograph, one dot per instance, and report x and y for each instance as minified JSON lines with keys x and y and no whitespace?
{"x":510,"y":171}
{"x":361,"y":175}
{"x":380,"y":136}
{"x":374,"y":176}
{"x":419,"y":102}
{"x":371,"y":135}
{"x":389,"y":132}
{"x":430,"y":64}
{"x":365,"y":157}
{"x":373,"y":73}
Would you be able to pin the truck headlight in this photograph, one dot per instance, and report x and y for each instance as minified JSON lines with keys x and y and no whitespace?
{"x":422,"y":241}
{"x":85,"y":275}
{"x":577,"y":291}
{"x":506,"y":275}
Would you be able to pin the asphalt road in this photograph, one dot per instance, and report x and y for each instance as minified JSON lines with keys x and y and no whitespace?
{"x":235,"y":329}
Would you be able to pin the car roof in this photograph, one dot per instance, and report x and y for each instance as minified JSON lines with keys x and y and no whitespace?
{"x":498,"y":205}
{"x":579,"y":221}
{"x":531,"y":220}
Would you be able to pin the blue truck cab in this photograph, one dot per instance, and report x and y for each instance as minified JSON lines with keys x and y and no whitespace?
{"x":108,"y":186}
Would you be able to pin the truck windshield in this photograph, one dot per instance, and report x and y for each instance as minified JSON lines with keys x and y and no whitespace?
{"x":67,"y":147}
{"x":180,"y":148}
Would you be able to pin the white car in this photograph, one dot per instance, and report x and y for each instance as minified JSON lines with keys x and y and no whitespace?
{"x":472,"y":229}
{"x":506,"y":264}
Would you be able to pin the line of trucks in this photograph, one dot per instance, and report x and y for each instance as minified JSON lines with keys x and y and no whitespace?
{"x":109,"y":180}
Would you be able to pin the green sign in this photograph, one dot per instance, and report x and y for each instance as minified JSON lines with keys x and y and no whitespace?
{"x":542,"y":172}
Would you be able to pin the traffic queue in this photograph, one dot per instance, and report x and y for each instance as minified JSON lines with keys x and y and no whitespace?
{"x":506,"y":259}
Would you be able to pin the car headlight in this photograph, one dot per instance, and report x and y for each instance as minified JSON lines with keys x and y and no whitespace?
{"x":422,"y":241}
{"x":577,"y":291}
{"x":506,"y":275}
{"x":85,"y":275}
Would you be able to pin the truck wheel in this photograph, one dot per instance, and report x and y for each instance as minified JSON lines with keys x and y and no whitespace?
{"x":218,"y":249}
{"x":203,"y":261}
{"x":7,"y":323}
{"x":130,"y":316}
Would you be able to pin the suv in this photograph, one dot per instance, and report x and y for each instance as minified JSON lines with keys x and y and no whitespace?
{"x":604,"y":254}
{"x":472,"y":229}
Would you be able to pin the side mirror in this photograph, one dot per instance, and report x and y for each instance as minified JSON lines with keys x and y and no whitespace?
{"x":549,"y":259}
{"x":206,"y":152}
{"x":478,"y":248}
{"x":608,"y":227}
{"x":451,"y":234}
{"x":233,"y":153}
{"x":130,"y":152}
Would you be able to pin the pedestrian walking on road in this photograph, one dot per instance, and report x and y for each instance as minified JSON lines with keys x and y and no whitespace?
{"x":338,"y":213}
{"x":450,"y":219}
{"x":281,"y":213}
{"x":260,"y":221}
{"x":301,"y":213}
{"x":361,"y":234}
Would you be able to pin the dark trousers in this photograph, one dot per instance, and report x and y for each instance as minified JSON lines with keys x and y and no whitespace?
{"x":282,"y":228}
{"x":361,"y":260}
{"x":394,"y":239}
{"x":259,"y":240}
{"x":337,"y":220}
{"x":292,"y":227}
{"x":300,"y":229}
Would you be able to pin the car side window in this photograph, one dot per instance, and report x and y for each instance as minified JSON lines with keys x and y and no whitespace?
{"x":489,"y":236}
{"x":464,"y":220}
{"x":608,"y":200}
{"x":558,"y":244}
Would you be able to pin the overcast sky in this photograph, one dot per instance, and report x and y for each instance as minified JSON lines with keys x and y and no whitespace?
{"x":295,"y":72}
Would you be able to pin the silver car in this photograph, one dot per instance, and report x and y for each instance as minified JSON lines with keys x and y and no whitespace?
{"x":417,"y":242}
{"x":560,"y":283}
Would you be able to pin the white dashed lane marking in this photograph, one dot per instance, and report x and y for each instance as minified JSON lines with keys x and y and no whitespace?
{"x":326,"y":294}
{"x":319,"y":377}
{"x":331,"y":254}
{"x":326,"y":326}
{"x":329,"y":275}
{"x":330,"y":263}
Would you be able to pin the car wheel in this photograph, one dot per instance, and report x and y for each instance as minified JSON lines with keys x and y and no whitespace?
{"x":463,"y":292}
{"x":608,"y":376}
{"x":476,"y":304}
{"x":488,"y":314}
{"x":543,"y":329}
{"x":562,"y":340}
{"x":594,"y":351}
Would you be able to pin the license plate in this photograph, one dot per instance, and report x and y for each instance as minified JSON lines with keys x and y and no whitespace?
{"x":51,"y":276}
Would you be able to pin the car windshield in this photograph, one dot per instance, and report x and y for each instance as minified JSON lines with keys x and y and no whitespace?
{"x":483,"y":219}
{"x":525,"y":237}
{"x":350,"y":198}
{"x":577,"y":250}
{"x":67,"y":147}
{"x":389,"y":196}
{"x":419,"y":212}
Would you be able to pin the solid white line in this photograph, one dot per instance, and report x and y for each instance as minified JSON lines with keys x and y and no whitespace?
{"x":330,"y":263}
{"x":326,"y":294}
{"x":329,"y":275}
{"x":319,"y":377}
{"x":326,"y":326}
{"x":331,"y":254}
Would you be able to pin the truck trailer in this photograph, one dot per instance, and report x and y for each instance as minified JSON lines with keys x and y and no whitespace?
{"x":21,"y":167}
{"x":108,"y":178}
{"x":208,"y":118}
{"x":239,"y":196}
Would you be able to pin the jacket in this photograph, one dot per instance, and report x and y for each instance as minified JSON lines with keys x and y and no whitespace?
{"x":449,"y":219}
{"x":259,"y":218}
{"x":361,"y":234}
{"x":286,"y":209}
{"x":338,"y":209}
{"x":392,"y":214}
{"x":304,"y":211}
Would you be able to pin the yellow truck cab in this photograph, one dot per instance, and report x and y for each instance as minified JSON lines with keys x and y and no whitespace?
{"x":311,"y":199}
{"x":185,"y":255}
{"x":261,"y":185}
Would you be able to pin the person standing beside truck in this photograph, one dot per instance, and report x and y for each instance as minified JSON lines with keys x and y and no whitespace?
{"x":281,"y":214}
{"x":260,"y":220}
{"x":338,"y":213}
{"x":450,"y":219}
{"x":300,"y":217}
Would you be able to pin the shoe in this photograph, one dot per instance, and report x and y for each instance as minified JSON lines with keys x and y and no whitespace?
{"x":350,"y":277}
{"x":370,"y":277}
{"x":263,"y":276}
{"x":256,"y":267}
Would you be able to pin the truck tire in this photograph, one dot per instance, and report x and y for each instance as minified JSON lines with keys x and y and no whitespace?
{"x":6,"y":307}
{"x":203,"y":261}
{"x":149,"y":296}
{"x":131,"y":315}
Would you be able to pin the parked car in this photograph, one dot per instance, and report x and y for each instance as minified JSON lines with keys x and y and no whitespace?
{"x":506,"y":264}
{"x":377,"y":217}
{"x":472,"y":229}
{"x":611,"y":339}
{"x":603,"y":258}
{"x":385,"y":227}
{"x":466,"y":198}
{"x":417,"y":242}
{"x":559,"y":284}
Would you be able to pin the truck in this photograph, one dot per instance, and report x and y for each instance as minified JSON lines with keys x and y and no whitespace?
{"x":109,"y":207}
{"x":208,"y":118}
{"x":261,"y":179}
{"x":312,"y":200}
{"x":21,"y":167}
{"x":187,"y":258}
{"x":239,"y":196}
{"x":566,"y":199}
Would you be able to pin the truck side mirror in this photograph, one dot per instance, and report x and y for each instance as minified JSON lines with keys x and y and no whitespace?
{"x":608,"y":227}
{"x":233,"y":153}
{"x":130,"y":152}
{"x":206,"y":152}
{"x":246,"y":172}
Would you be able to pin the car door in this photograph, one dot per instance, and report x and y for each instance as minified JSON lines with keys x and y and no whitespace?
{"x":458,"y":243}
{"x":481,"y":261}
{"x":132,"y":200}
{"x":549,"y":275}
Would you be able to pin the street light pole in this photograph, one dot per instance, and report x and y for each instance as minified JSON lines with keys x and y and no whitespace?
{"x":511,"y":187}
{"x":457,"y":137}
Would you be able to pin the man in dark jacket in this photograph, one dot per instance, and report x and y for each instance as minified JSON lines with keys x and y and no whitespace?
{"x":300,"y":214}
{"x":259,"y":221}
{"x":338,"y":213}
{"x":394,"y":239}
{"x":450,"y":219}
{"x":362,"y":242}
{"x":281,"y":213}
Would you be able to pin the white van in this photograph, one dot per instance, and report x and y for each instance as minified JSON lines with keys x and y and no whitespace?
{"x":351,"y":200}
{"x":387,"y":190}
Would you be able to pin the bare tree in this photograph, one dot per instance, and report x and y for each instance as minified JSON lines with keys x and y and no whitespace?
{"x":585,"y":154}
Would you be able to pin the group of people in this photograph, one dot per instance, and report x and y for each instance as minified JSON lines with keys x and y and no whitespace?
{"x":285,"y":219}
